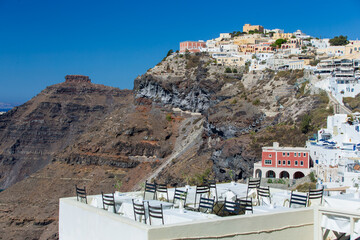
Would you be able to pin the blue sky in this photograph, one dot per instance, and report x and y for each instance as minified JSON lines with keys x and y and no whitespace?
{"x":113,"y":42}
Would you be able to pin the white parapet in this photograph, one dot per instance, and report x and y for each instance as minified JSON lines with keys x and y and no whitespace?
{"x":78,"y":220}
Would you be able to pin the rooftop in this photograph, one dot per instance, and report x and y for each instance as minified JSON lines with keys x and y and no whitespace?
{"x":267,"y":221}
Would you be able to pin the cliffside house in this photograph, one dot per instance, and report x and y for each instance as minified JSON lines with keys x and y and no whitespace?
{"x":283,"y":162}
{"x":192,"y":46}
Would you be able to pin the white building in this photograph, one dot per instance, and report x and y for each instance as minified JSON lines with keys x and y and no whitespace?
{"x":223,"y":36}
{"x":263,"y":56}
{"x":336,"y":147}
{"x":344,"y":80}
{"x":291,"y":51}
{"x":276,"y":30}
{"x":211,"y":43}
{"x":295,"y":64}
{"x":229,"y":48}
{"x":300,"y":34}
{"x":320,"y":43}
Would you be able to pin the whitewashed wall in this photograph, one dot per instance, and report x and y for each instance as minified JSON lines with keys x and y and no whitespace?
{"x":81,"y":221}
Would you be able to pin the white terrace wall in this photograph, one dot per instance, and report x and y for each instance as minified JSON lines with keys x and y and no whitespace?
{"x":295,"y":225}
{"x":80,"y":221}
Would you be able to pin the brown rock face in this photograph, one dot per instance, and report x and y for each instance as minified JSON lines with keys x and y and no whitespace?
{"x":30,"y":134}
{"x":77,"y":79}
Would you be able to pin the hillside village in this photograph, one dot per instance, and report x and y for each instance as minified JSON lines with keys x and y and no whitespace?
{"x":332,"y":65}
{"x":272,"y":48}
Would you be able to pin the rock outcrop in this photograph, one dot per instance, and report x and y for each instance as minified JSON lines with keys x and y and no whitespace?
{"x":31,"y":133}
{"x":77,"y":79}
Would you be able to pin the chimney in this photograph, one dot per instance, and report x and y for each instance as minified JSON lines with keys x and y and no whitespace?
{"x":275,"y":144}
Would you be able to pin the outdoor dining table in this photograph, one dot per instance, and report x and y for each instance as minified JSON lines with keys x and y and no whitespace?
{"x":232,"y":190}
{"x":280,"y":198}
{"x":126,"y":208}
{"x":346,"y":202}
{"x":119,"y":198}
{"x":269,"y":209}
{"x":228,"y":190}
{"x":176,"y":215}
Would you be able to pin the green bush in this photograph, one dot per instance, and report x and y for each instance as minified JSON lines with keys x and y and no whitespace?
{"x":305,"y":187}
{"x":312,"y":177}
{"x":305,"y":124}
{"x":256,"y":102}
{"x":339,"y":41}
{"x":169,"y":117}
{"x":234,"y":70}
{"x":228,"y":70}
{"x":269,"y":181}
{"x":169,"y":52}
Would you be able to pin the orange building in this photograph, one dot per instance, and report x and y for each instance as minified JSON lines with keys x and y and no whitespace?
{"x":192,"y":46}
{"x":283,"y":162}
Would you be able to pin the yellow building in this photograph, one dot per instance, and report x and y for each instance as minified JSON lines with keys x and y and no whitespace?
{"x":250,"y":39}
{"x":282,"y":35}
{"x":332,"y":50}
{"x":249,"y":27}
{"x":230,"y":61}
{"x":352,"y":47}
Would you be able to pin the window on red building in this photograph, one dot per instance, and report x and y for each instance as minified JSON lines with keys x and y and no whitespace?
{"x":268,"y":162}
{"x":288,"y":154}
{"x":296,"y":163}
{"x":279,"y":162}
{"x":304,"y":154}
{"x":295,"y":154}
{"x":289,"y":163}
{"x":301,"y":163}
{"x":270,"y":156}
{"x":284,"y":162}
{"x":283,"y":154}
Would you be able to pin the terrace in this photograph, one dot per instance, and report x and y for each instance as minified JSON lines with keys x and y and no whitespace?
{"x":268,"y":219}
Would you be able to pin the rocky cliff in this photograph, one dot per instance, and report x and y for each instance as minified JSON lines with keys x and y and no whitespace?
{"x":237,"y":106}
{"x":186,"y":120}
{"x":31,"y":133}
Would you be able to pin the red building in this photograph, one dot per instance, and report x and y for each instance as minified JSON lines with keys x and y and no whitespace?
{"x":283,"y":162}
{"x":192,"y":46}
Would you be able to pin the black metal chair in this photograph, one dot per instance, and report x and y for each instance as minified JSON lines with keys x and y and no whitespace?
{"x":139,"y":209}
{"x":81,"y":194}
{"x":263,"y":192}
{"x":201,"y":190}
{"x":156,"y":212}
{"x":298,"y":199}
{"x":316,"y":194}
{"x":253,"y":183}
{"x":180,"y":195}
{"x":230,"y":208}
{"x":212,"y":185}
{"x":150,"y":188}
{"x":245,"y":205}
{"x":162,"y":188}
{"x":108,"y":201}
{"x":206,"y":204}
